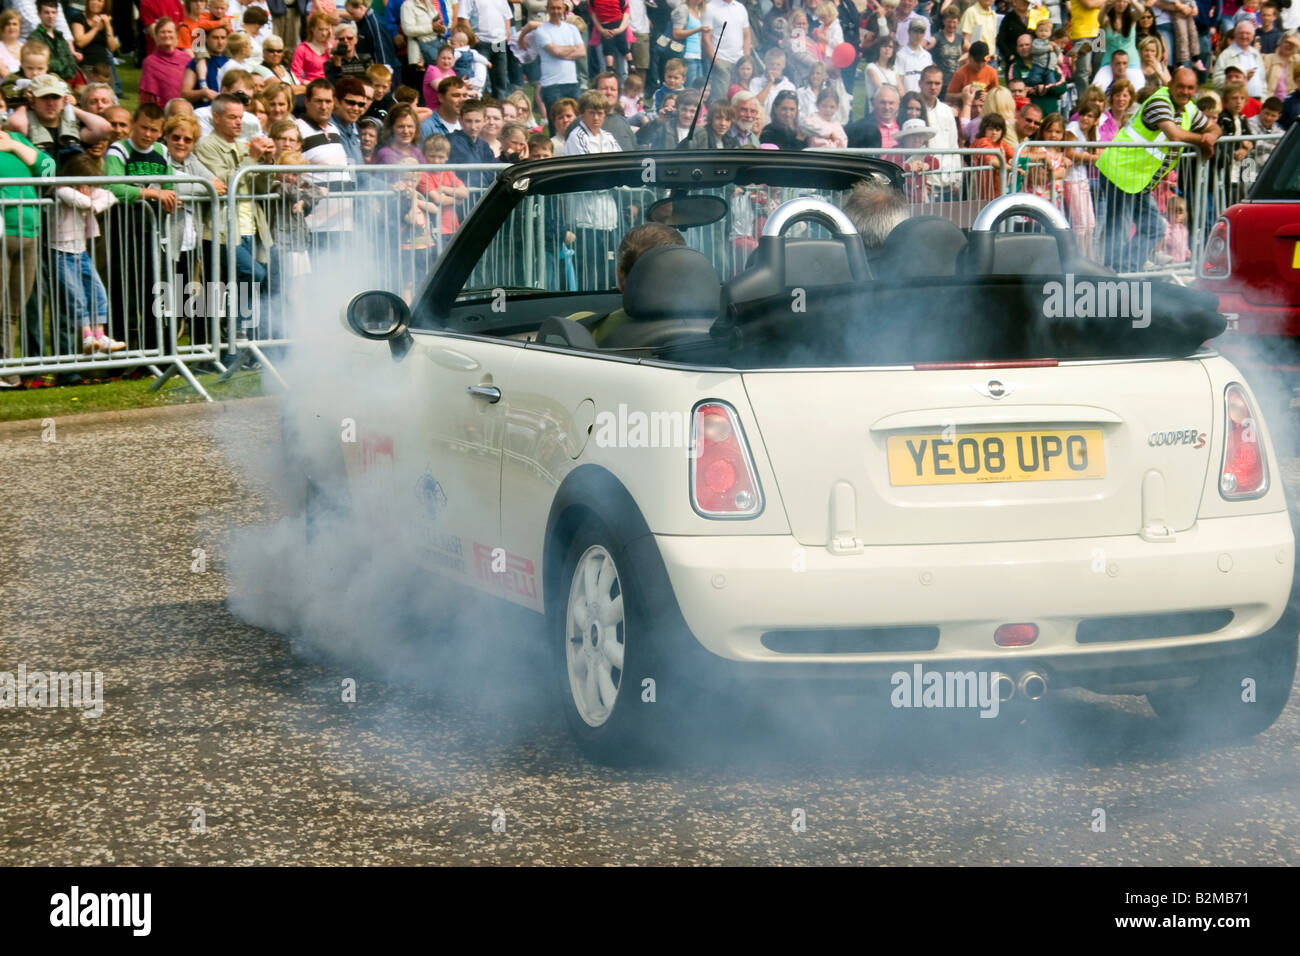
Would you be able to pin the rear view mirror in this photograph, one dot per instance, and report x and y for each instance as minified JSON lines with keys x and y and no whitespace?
{"x":380,"y":317}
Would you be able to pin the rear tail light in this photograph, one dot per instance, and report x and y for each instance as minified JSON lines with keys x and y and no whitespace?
{"x":1245,"y":470}
{"x":1217,"y":263}
{"x":723,"y":482}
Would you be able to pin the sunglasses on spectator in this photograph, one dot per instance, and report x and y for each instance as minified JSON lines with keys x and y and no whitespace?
{"x":178,"y":138}
{"x":351,"y":102}
{"x":242,"y":97}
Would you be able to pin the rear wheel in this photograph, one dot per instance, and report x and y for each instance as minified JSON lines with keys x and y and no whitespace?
{"x":605,"y":651}
{"x":1243,"y":696}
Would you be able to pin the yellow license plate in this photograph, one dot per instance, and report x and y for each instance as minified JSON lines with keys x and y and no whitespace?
{"x":972,"y":457}
{"x":1295,"y":255}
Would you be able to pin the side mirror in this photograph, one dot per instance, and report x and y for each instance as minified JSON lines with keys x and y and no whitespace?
{"x":381,"y":317}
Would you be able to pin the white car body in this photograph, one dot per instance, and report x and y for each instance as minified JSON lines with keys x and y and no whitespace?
{"x":838,"y":544}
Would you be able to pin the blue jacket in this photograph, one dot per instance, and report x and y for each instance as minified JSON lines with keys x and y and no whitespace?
{"x":373,"y":39}
{"x":464,"y":151}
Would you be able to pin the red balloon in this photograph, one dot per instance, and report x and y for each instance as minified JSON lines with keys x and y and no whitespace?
{"x":842,"y":56}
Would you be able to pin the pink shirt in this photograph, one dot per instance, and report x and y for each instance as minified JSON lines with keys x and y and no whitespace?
{"x":162,"y":75}
{"x":307,"y":64}
{"x":432,"y":77}
{"x":887,"y":134}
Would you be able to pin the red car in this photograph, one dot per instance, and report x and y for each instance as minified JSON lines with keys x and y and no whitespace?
{"x":1252,"y":262}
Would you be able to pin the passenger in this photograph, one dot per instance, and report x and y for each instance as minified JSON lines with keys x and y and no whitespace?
{"x":638,"y":241}
{"x":875,"y":209}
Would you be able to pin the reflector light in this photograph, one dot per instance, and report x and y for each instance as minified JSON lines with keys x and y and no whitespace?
{"x":1015,"y":635}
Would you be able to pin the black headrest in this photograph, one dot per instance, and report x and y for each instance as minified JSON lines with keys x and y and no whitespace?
{"x":671,"y":282}
{"x":922,"y":246}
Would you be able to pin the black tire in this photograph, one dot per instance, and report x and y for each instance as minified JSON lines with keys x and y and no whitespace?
{"x":1213,"y":709}
{"x":636,"y":730}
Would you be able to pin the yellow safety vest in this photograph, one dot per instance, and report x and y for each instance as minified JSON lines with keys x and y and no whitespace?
{"x":1138,"y":170}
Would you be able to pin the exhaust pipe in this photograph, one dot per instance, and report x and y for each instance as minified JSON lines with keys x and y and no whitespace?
{"x":1032,"y":685}
{"x":1004,"y":687}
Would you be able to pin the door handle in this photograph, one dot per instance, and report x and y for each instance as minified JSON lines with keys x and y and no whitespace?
{"x":490,"y":392}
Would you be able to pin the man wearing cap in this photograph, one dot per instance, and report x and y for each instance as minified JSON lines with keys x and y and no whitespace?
{"x":975,"y":70}
{"x":905,"y":16}
{"x":55,"y":127}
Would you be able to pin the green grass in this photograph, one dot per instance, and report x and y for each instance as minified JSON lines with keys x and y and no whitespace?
{"x":17,"y":405}
{"x":130,"y":77}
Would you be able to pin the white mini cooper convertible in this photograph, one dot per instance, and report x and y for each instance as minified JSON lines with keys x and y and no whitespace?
{"x":770,"y":450}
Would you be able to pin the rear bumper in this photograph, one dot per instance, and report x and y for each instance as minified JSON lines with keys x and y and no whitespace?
{"x":733,"y":591}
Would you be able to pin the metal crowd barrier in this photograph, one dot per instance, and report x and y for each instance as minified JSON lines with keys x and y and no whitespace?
{"x":176,"y":297}
{"x":122,"y":282}
{"x":377,"y":225}
{"x":1159,"y":232}
{"x":963,"y":183}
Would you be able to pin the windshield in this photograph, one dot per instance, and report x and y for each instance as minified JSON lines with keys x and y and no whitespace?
{"x":1280,"y":177}
{"x":568,"y":243}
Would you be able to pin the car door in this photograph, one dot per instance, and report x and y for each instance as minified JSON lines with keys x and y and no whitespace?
{"x":422,"y":440}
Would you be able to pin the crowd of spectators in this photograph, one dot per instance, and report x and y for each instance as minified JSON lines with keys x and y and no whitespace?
{"x":225,"y":83}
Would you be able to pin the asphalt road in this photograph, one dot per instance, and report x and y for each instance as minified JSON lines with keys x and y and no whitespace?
{"x":204,"y":712}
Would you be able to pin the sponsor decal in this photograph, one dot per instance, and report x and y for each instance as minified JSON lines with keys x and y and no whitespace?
{"x":498,"y":568}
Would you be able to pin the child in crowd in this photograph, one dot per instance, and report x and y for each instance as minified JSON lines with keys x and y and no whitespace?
{"x":1229,"y":157}
{"x":629,"y":101}
{"x":821,"y":126}
{"x":288,"y":213}
{"x":1043,"y":56}
{"x":443,"y":66}
{"x":523,"y":111}
{"x":915,"y":135}
{"x":540,"y":146}
{"x":991,"y":135}
{"x":674,"y":81}
{"x":409,"y":96}
{"x":81,"y":293}
{"x":1175,"y":244}
{"x":1078,"y":191}
{"x":216,"y":16}
{"x":1264,"y":123}
{"x":415,"y":234}
{"x":444,"y":188}
{"x":470,"y":65}
{"x":828,"y":33}
{"x":514,"y":143}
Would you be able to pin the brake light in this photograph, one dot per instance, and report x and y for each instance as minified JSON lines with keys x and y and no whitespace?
{"x":1245,"y":472}
{"x":723,"y":482}
{"x":1217,"y":263}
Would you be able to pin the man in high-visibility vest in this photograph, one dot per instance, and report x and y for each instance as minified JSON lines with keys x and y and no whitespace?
{"x":1133,"y":224}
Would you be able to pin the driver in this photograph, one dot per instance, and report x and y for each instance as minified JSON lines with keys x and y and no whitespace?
{"x":638,"y":241}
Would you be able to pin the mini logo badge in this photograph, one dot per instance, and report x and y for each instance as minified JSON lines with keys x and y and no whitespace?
{"x":994,"y":388}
